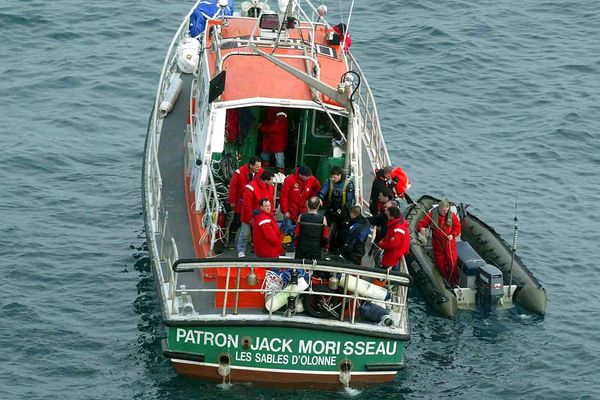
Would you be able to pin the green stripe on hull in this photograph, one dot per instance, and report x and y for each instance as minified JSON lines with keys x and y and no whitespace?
{"x":285,"y":348}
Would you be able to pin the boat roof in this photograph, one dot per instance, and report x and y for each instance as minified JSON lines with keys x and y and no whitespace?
{"x":252,"y":76}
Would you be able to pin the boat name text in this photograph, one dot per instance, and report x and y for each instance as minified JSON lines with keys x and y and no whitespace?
{"x":274,"y":350}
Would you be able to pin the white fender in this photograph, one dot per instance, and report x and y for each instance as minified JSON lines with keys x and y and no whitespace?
{"x":280,"y":299}
{"x":364,"y":288}
{"x":170,"y":98}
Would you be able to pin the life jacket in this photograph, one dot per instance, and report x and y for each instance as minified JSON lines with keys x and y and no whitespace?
{"x":402,"y":182}
{"x":436,"y":213}
{"x":338,"y":201}
{"x":311,"y":236}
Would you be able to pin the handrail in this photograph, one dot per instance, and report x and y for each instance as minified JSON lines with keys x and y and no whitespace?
{"x":396,"y":287}
{"x":338,"y":267}
{"x":370,"y":123}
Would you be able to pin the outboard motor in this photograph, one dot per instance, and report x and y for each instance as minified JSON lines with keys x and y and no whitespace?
{"x":490,"y":286}
{"x":468,"y":264}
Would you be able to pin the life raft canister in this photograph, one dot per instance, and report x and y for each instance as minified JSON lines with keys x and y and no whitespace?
{"x":403,"y":183}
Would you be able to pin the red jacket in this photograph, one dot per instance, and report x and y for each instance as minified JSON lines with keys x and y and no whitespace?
{"x":239,"y":180}
{"x":275,"y":132}
{"x":396,"y":242}
{"x":440,"y":242}
{"x":253,"y":192}
{"x":348,"y":38}
{"x":295,"y":192}
{"x":266,"y":235}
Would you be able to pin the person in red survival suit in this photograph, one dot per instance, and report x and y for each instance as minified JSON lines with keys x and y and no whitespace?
{"x":265,"y":232}
{"x":446,"y":227}
{"x":396,"y":242}
{"x":345,"y":38}
{"x":253,"y":192}
{"x":297,"y":189}
{"x":240,"y":178}
{"x":274,"y":137}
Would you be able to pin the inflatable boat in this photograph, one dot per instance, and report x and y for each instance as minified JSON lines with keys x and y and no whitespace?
{"x":491,"y":275}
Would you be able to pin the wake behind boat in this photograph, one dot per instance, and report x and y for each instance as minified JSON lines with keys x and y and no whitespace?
{"x":491,"y":274}
{"x":279,"y":321}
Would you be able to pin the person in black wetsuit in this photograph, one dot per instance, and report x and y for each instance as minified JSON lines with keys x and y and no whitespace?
{"x":383,"y":181}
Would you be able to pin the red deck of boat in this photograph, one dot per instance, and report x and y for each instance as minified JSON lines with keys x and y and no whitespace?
{"x":252,"y":76}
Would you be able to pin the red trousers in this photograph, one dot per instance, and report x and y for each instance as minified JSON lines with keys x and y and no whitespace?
{"x":446,"y":259}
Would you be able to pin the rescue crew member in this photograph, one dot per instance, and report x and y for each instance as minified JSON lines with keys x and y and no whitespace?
{"x":379,"y":221}
{"x":297,"y":189}
{"x":240,"y":178}
{"x":345,"y":38}
{"x":384,"y":196}
{"x":338,"y":195}
{"x":253,"y":192}
{"x":265,"y":232}
{"x":446,"y":227}
{"x":354,"y":248}
{"x":382,"y":181}
{"x":274,"y":137}
{"x":312,"y":233}
{"x":396,"y":242}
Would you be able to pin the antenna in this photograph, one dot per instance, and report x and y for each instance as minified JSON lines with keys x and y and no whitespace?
{"x":514,"y":248}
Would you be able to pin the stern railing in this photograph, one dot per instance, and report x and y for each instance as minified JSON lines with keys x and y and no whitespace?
{"x":347,"y":295}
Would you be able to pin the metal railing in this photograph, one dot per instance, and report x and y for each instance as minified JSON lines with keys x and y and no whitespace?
{"x":348,"y":296}
{"x":156,"y":218}
{"x":153,"y":175}
{"x":370,"y":130}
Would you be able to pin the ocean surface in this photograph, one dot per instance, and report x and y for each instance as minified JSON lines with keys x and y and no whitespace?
{"x":486,"y":102}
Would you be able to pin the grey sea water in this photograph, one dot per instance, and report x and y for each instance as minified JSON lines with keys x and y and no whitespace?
{"x":483,"y":102}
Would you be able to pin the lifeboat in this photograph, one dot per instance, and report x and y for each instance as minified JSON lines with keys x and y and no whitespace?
{"x":491,"y":274}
